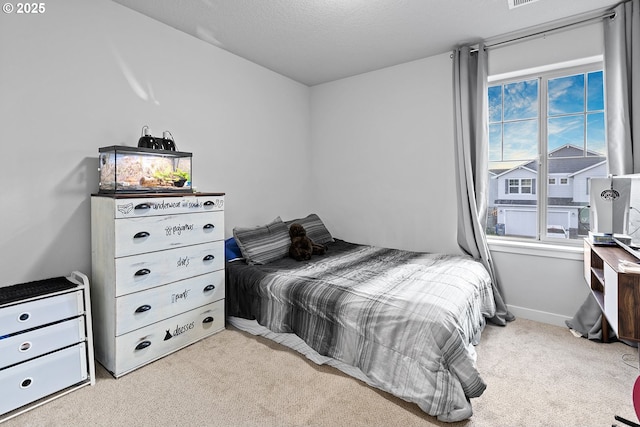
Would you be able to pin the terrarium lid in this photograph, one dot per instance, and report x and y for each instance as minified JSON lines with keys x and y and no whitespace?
{"x":126,"y":148}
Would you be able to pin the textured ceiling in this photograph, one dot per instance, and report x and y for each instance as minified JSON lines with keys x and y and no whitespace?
{"x":316,"y":41}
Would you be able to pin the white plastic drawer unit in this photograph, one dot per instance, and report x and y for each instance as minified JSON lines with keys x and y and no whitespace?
{"x":140,"y":309}
{"x":36,"y":342}
{"x":140,"y":272}
{"x":40,"y":377}
{"x":145,"y":206}
{"x":154,"y":233}
{"x":19,"y":317}
{"x":144,"y":345}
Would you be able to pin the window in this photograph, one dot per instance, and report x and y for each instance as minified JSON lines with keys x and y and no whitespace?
{"x":545,"y":128}
{"x":520,"y":186}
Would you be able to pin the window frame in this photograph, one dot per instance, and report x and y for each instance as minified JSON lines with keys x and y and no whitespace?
{"x":543,"y":75}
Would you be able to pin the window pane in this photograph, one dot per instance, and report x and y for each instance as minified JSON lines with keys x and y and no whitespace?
{"x":521,"y":100}
{"x":595,"y":91}
{"x":514,"y":186}
{"x":495,"y":104}
{"x":521,"y":140}
{"x":563,"y":131}
{"x":566,"y":95}
{"x":495,"y":142}
{"x":595,"y":135}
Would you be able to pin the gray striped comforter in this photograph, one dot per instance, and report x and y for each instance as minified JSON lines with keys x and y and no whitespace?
{"x":405,"y":319}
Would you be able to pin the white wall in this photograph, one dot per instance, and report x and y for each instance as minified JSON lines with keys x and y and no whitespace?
{"x":383,"y":156}
{"x":88,"y":74}
{"x":580,"y":41}
{"x":383,"y":167}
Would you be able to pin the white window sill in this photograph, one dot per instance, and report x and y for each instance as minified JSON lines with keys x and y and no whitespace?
{"x":542,"y":249}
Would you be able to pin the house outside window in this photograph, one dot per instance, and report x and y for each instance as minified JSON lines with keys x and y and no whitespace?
{"x":545,"y":128}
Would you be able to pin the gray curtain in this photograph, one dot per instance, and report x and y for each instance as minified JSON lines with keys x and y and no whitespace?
{"x":622,"y":88}
{"x":622,"y":83}
{"x":472,"y":157}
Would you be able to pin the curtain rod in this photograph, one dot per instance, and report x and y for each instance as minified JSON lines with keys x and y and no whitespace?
{"x":609,"y":14}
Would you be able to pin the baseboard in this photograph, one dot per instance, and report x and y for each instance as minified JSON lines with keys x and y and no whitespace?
{"x":538,"y":316}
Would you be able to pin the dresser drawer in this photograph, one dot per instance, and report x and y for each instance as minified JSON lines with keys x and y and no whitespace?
{"x":28,"y":345}
{"x":140,"y":309}
{"x":140,"y":272}
{"x":40,"y":312}
{"x":145,"y":206}
{"x":155,"y":233}
{"x":154,"y":341}
{"x":37,"y":378}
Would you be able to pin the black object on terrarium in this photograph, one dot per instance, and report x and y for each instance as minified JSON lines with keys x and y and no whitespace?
{"x":147,"y":140}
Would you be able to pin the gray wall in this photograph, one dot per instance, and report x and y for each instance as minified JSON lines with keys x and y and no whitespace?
{"x":383,"y":156}
{"x":89,"y":74}
{"x":383,"y":165}
{"x":372,"y":154}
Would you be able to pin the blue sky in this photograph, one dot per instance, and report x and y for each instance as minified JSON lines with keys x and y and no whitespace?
{"x":575,"y":116}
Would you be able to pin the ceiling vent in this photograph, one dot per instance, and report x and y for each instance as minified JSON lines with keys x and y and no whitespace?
{"x":517,"y":3}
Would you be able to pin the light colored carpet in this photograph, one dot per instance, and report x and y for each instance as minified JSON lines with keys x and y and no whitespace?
{"x":537,"y":375}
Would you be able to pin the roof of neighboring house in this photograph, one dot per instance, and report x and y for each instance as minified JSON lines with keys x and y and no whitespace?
{"x":568,"y":159}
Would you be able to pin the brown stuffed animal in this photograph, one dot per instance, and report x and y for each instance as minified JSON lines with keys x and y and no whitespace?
{"x":302,"y":247}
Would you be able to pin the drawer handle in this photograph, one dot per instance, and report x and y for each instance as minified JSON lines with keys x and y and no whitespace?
{"x":208,"y":288}
{"x":143,"y":272}
{"x":209,"y":227}
{"x":25,"y":346}
{"x":24,"y":317}
{"x":142,"y":206}
{"x":143,"y":308}
{"x":141,"y":235}
{"x":26,"y":382}
{"x":143,"y":345}
{"x":208,"y":319}
{"x":208,"y":203}
{"x":208,"y":258}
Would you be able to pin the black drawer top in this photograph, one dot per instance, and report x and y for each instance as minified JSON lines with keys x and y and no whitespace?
{"x":34,"y":289}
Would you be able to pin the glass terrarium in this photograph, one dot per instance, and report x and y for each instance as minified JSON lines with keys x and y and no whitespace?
{"x":132,"y":169}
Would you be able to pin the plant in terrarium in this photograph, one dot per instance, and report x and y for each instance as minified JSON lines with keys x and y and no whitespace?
{"x":169,"y":178}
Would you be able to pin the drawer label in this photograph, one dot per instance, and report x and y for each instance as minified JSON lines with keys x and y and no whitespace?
{"x":178,"y":229}
{"x":179,"y":330}
{"x":181,"y":296}
{"x":163,"y":205}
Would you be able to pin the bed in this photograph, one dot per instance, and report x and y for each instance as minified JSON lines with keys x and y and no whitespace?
{"x":401,"y":321}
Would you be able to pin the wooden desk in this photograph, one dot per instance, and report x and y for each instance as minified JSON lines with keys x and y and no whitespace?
{"x":617,"y":293}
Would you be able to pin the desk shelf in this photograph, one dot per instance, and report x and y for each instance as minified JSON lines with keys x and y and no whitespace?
{"x":617,"y":293}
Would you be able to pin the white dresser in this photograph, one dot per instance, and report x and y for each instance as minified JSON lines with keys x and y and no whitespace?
{"x":158,"y":275}
{"x":46,"y":347}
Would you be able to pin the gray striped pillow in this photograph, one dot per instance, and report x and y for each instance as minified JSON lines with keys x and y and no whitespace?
{"x":264,"y":243}
{"x":315,"y":229}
